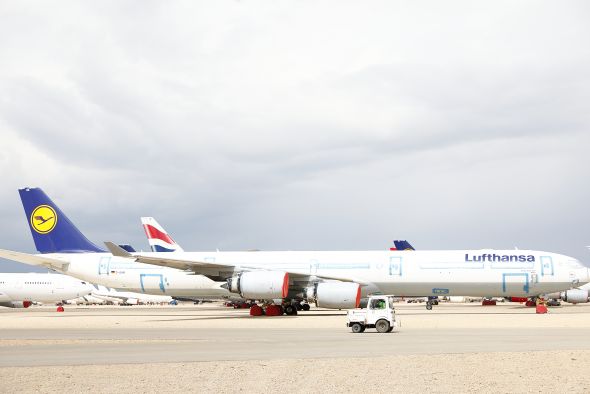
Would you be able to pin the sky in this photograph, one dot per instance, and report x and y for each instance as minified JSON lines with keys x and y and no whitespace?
{"x":300,"y":125}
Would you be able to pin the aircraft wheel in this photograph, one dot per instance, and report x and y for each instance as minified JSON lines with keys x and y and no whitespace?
{"x":256,"y":310}
{"x":274,"y":310}
{"x":428,"y":306}
{"x":290,"y":310}
{"x":382,"y":326}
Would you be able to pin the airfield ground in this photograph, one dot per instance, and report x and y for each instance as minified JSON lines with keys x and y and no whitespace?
{"x":209,"y":348}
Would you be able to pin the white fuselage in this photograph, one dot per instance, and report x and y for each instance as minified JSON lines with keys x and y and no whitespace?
{"x":418,"y":273}
{"x":128,"y":275}
{"x":40,"y":287}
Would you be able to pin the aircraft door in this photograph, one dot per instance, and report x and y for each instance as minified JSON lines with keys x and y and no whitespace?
{"x":395,"y":266}
{"x":152,"y":282}
{"x":313,"y":267}
{"x":547,"y":266}
{"x":103,"y":265}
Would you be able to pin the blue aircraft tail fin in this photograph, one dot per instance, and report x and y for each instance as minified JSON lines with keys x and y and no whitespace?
{"x":52,"y":231}
{"x":402,"y":245}
{"x":128,"y":248}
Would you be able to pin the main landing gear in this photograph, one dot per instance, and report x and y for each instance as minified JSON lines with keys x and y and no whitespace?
{"x":289,"y":309}
{"x":431,"y":301}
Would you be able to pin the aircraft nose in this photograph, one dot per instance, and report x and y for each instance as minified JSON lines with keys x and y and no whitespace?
{"x":86,"y":287}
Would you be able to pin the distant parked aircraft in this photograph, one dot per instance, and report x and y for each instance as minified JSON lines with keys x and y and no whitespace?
{"x":21,"y":290}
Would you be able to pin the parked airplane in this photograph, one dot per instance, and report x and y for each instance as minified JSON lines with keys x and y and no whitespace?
{"x":21,"y":290}
{"x":330,"y":279}
{"x":65,"y":249}
{"x":335,"y":279}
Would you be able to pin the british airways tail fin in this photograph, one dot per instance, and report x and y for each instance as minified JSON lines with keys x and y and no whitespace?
{"x":52,"y":231}
{"x":158,"y":238}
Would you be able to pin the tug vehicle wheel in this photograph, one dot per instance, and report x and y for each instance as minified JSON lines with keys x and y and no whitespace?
{"x":382,"y":326}
{"x":357,"y":328}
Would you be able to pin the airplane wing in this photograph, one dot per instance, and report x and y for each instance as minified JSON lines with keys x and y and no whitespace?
{"x":111,"y":297}
{"x":32,"y":259}
{"x":207,"y":268}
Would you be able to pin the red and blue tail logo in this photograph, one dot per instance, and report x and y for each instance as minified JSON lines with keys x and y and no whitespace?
{"x":158,"y":238}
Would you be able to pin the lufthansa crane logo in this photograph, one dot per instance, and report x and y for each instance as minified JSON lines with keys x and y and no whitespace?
{"x":43,"y":219}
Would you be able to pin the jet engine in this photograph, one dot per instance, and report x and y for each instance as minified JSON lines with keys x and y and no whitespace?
{"x":260,"y":285}
{"x":575,"y":296}
{"x":16,"y":304}
{"x":335,"y":295}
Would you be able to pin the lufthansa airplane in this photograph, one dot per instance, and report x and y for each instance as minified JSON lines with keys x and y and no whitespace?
{"x":332,"y":279}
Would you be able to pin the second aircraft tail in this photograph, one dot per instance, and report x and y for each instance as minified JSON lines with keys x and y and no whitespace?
{"x":158,"y":238}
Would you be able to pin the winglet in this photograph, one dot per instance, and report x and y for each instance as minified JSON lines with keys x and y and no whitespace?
{"x":116,"y":250}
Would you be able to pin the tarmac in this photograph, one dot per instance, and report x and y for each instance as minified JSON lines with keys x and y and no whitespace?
{"x":139,"y":344}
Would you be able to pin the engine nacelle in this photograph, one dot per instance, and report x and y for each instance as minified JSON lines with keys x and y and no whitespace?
{"x":16,"y":304}
{"x":335,"y":295}
{"x":260,"y":285}
{"x":575,"y":296}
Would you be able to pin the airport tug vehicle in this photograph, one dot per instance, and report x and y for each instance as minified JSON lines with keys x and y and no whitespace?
{"x":379,"y":314}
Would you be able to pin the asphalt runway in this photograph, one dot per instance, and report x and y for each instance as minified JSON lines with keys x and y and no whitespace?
{"x":124,"y":335}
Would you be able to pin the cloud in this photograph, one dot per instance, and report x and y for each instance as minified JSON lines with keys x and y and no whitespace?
{"x":297,"y":125}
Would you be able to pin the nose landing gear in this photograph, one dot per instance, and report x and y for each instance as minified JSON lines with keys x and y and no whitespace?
{"x":431,"y":301}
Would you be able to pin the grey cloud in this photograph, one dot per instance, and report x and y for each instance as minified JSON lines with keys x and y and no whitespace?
{"x":295,"y":125}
